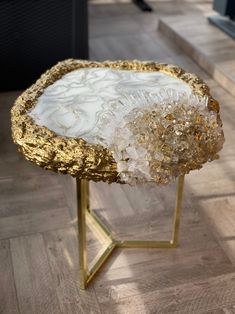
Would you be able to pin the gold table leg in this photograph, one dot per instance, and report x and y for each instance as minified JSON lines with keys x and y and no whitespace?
{"x":86,"y":216}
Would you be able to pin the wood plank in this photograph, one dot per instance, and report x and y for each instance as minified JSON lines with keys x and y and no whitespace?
{"x":98,"y":9}
{"x":8,"y":298}
{"x":214,"y":51}
{"x":220,"y":216}
{"x":68,"y":185}
{"x":132,"y":272}
{"x":137,"y":212}
{"x":229,"y":310}
{"x":15,"y":226}
{"x":22,"y":194}
{"x":33,"y":279}
{"x":197,"y":297}
{"x":98,"y":27}
{"x":193,"y":240}
{"x":140,"y":46}
{"x":61,"y":246}
{"x":160,"y":273}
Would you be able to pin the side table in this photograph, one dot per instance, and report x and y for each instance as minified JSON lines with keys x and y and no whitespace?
{"x":121,"y":121}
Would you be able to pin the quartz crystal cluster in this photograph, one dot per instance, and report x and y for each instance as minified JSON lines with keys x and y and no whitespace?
{"x":162,"y":137}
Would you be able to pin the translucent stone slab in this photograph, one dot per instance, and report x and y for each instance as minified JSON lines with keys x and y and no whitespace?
{"x":74,"y":104}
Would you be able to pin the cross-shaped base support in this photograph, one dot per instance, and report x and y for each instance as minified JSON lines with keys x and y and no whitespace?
{"x":86,"y":216}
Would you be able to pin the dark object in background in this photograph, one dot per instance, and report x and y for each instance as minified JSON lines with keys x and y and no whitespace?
{"x":226,"y":8}
{"x":144,"y":6}
{"x":36,"y":34}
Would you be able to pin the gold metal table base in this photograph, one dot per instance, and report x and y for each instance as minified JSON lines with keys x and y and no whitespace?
{"x":86,"y":216}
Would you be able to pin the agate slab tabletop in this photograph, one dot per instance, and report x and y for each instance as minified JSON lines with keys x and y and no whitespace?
{"x":59,"y":122}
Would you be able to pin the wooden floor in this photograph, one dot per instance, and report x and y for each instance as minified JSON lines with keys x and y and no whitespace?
{"x":38,"y":241}
{"x":211,"y":48}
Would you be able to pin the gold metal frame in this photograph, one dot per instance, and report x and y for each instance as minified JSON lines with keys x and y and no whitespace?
{"x":86,"y":216}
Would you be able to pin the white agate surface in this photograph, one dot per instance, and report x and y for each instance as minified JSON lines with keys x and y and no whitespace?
{"x":76,"y":104}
